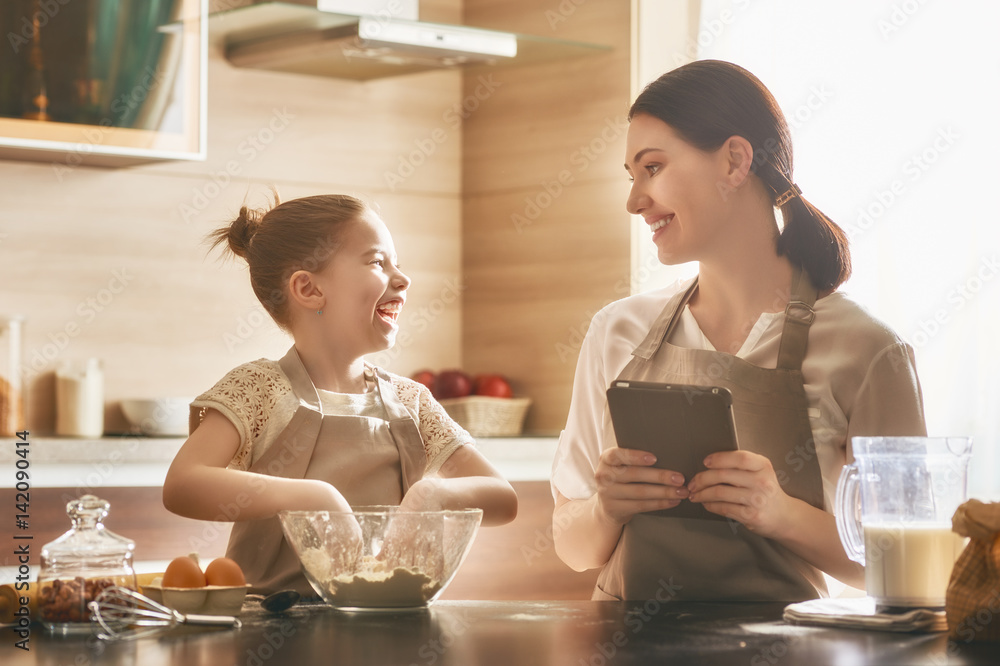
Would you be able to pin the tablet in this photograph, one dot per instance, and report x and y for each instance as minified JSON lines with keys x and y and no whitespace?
{"x":679,"y":424}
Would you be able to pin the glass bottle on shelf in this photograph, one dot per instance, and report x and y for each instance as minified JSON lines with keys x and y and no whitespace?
{"x":11,"y":381}
{"x":36,"y":100}
{"x":79,"y":565}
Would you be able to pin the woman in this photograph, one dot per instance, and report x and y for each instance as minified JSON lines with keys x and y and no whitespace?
{"x":710,"y":159}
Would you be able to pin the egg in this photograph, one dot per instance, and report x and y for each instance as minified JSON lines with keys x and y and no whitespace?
{"x":183,"y":572}
{"x":224,"y":571}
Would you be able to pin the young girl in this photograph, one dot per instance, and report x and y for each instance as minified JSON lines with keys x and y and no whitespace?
{"x":321,"y":429}
{"x":710,"y":158}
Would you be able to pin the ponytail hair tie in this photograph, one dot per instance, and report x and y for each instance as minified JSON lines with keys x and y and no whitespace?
{"x":789,"y":194}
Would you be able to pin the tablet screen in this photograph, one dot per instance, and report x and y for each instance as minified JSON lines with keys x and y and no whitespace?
{"x":679,"y":424}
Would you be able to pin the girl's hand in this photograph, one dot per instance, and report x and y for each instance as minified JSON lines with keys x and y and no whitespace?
{"x":405,"y":543}
{"x":742,"y":486}
{"x":628,"y":484}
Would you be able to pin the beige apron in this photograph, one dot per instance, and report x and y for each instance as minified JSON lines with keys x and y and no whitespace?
{"x":694,"y":559}
{"x":369,"y":460}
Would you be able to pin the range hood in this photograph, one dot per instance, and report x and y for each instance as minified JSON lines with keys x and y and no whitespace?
{"x":307,"y":39}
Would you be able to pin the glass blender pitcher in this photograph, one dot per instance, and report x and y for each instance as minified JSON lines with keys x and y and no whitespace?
{"x":894,"y":506}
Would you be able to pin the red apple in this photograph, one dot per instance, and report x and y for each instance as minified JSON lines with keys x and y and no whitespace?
{"x":452,"y":384}
{"x":425,"y":377}
{"x":495,"y":386}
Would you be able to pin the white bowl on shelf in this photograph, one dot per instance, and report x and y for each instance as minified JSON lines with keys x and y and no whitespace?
{"x":158,"y":417}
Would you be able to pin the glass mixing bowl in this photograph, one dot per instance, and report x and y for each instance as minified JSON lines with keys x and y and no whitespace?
{"x":380,"y":558}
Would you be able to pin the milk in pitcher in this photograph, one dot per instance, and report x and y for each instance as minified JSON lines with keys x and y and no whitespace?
{"x":909,"y":564}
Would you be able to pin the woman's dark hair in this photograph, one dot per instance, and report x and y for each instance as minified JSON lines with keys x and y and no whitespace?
{"x":708,"y":101}
{"x":301,"y":234}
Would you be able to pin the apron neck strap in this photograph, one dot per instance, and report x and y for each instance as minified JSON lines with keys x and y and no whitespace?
{"x":799,"y":316}
{"x":302,"y":384}
{"x":393,"y":406}
{"x":665,"y":323}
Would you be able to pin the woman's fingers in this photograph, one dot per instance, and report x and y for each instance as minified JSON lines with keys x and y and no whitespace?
{"x":743,"y":486}
{"x":628,"y":484}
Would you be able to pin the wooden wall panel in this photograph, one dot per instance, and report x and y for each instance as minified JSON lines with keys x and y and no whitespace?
{"x":545,"y":232}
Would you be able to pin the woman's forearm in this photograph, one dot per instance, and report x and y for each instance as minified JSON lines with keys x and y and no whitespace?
{"x":584,"y":537}
{"x":811,"y":534}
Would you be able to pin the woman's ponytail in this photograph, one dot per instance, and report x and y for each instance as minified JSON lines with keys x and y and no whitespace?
{"x":813,"y":242}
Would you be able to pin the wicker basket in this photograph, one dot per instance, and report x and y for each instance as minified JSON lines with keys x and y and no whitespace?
{"x":483,"y":416}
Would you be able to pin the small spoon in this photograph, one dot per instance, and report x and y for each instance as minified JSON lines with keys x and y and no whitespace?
{"x":280,"y":601}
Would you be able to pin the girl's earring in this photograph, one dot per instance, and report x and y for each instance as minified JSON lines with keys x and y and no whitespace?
{"x":319,"y":312}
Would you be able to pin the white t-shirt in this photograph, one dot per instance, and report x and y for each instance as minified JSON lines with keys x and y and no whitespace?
{"x":258,"y":400}
{"x":859,"y":378}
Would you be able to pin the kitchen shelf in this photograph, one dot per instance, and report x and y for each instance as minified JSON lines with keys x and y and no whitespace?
{"x":241,"y":33}
{"x":135,"y":460}
{"x":180,"y":134}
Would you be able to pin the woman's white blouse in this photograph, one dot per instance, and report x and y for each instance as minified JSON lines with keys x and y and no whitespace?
{"x":860,"y":379}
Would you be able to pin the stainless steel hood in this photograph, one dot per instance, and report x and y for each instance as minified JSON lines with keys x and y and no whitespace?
{"x":291,"y":37}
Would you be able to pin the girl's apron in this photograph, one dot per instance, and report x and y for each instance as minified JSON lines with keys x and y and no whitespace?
{"x":369,"y":460}
{"x":692,"y":559}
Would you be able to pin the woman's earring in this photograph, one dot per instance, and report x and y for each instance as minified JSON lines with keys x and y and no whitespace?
{"x":319,"y":312}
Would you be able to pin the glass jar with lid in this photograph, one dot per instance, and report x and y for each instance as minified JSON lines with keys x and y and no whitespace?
{"x":11,"y":393}
{"x":79,"y":565}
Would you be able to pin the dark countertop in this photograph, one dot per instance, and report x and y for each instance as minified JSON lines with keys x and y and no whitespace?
{"x":511,"y":633}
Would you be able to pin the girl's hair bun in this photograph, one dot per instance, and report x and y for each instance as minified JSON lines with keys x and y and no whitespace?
{"x":239,"y":233}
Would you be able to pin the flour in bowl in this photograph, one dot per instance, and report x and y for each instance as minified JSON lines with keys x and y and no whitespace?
{"x":372,"y":584}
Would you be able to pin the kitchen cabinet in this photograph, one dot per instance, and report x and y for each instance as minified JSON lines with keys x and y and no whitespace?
{"x":102,"y":84}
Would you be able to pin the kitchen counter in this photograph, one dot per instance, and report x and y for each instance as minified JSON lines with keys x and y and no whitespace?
{"x":524,"y":633}
{"x":132,"y":461}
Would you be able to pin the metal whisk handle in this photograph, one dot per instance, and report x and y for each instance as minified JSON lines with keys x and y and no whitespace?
{"x":214,"y":620}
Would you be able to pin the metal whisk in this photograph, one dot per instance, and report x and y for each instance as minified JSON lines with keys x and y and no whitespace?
{"x":124,"y":614}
